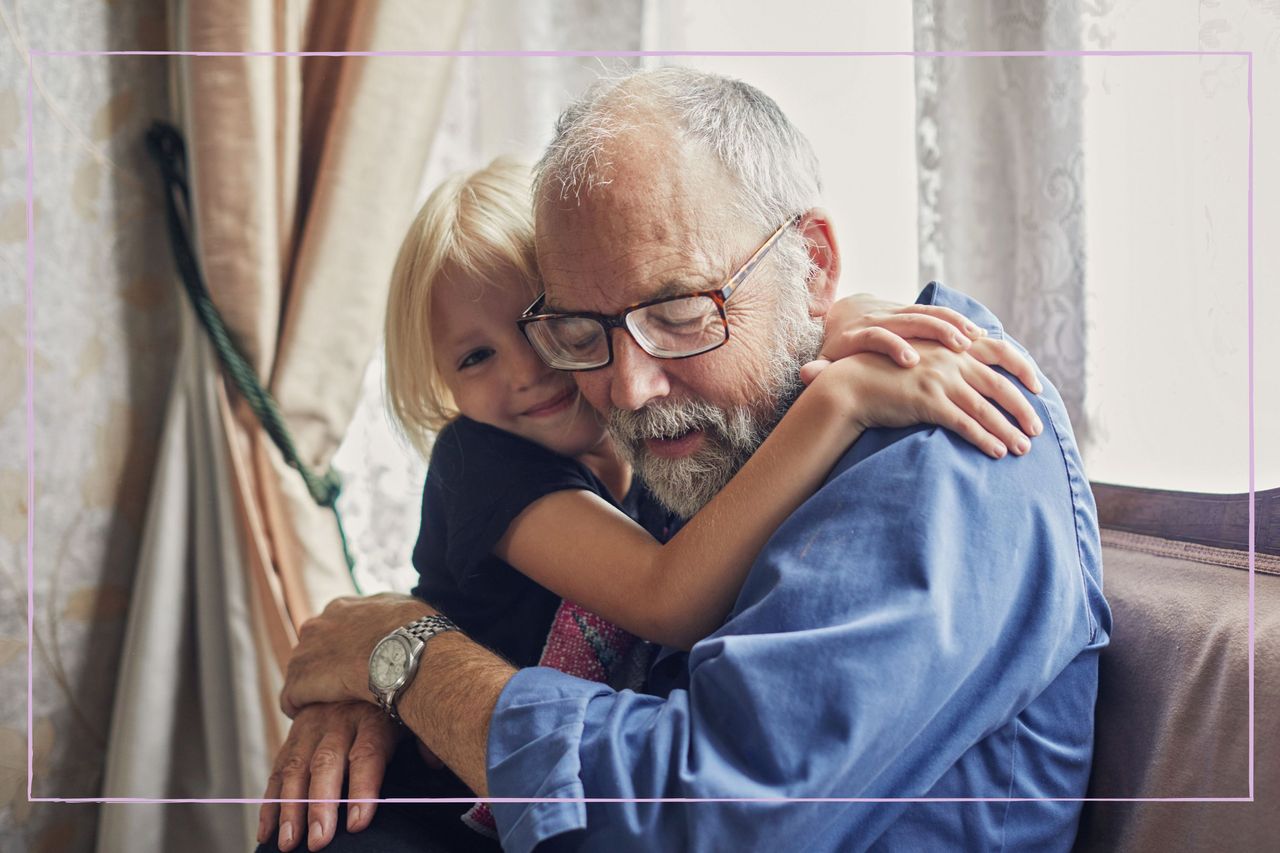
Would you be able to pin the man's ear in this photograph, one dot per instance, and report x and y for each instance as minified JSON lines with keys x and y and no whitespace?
{"x":820,"y":239}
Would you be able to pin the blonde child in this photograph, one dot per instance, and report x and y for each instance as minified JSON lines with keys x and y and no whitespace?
{"x":535,"y":538}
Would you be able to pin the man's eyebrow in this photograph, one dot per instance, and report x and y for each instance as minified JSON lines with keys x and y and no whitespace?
{"x":675,"y":287}
{"x":549,"y":307}
{"x":671,"y":287}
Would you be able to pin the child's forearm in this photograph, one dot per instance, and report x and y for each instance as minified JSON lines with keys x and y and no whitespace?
{"x":583,"y":549}
{"x":699,"y":573}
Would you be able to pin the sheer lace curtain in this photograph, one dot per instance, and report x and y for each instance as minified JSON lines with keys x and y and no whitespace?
{"x":1167,"y":244}
{"x":1000,"y":145}
{"x":1099,"y":206}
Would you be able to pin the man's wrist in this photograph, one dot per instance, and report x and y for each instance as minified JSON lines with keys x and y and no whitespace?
{"x":449,"y":705}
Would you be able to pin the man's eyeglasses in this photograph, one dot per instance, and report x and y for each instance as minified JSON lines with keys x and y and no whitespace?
{"x":669,"y":327}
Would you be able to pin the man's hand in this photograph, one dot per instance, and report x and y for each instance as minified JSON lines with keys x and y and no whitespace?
{"x":449,"y":709}
{"x":326,"y":742}
{"x":331,"y":660}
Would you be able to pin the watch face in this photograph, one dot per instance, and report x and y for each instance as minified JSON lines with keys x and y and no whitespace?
{"x":388,"y":663}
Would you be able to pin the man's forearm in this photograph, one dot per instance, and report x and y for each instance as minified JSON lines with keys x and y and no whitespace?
{"x":448,"y":703}
{"x":451,"y":700}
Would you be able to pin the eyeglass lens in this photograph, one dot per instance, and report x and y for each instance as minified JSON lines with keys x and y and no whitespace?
{"x":670,"y":329}
{"x":678,"y":327}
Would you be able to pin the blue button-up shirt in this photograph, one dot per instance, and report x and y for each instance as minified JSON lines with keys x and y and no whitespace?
{"x":927,"y":625}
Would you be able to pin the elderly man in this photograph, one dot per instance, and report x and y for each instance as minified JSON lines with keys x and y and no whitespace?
{"x":927,"y":625}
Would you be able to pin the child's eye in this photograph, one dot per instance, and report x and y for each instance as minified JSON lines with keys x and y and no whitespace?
{"x":474,"y":357}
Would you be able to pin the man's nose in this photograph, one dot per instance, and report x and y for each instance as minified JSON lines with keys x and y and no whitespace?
{"x":637,"y":377}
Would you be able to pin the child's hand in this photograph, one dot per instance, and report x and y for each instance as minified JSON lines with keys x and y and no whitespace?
{"x":865,"y":323}
{"x":953,"y":390}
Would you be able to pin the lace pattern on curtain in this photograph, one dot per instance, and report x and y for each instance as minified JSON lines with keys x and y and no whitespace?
{"x":1000,"y":149}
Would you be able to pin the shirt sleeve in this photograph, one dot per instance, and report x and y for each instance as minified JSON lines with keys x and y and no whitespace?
{"x":480,"y":478}
{"x":915,"y":604}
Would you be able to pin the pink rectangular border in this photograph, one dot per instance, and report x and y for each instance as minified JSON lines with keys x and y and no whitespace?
{"x":30,"y":387}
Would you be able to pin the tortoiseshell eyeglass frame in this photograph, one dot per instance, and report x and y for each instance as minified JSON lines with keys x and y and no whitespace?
{"x":719,"y":296}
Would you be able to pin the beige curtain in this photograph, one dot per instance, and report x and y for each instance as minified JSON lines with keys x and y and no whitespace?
{"x":304,"y":171}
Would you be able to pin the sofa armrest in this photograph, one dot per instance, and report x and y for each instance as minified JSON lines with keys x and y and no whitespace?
{"x":1173,"y":715}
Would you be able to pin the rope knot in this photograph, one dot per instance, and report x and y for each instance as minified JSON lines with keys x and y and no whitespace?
{"x":326,"y":489}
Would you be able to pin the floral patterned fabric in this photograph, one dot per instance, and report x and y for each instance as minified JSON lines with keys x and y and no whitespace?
{"x":579,"y":643}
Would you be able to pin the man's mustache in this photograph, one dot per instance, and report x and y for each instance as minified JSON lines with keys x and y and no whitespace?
{"x":666,"y":419}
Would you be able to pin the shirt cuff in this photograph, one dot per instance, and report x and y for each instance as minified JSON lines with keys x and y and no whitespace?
{"x":534,"y":736}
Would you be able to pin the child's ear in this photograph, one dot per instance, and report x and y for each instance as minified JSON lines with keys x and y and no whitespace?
{"x":824,"y":252}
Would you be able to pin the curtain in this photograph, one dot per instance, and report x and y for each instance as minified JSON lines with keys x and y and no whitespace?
{"x":304,"y":173}
{"x":1000,"y":146}
{"x":509,"y":104}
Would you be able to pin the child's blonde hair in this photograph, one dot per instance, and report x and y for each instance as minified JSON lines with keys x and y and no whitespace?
{"x":478,"y":224}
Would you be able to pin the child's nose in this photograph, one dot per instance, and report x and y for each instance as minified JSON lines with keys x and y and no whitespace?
{"x":528,"y":369}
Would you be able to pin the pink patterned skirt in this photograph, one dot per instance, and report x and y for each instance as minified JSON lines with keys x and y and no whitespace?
{"x":582,"y":644}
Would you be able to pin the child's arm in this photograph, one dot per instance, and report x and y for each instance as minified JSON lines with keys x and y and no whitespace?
{"x":582,"y":548}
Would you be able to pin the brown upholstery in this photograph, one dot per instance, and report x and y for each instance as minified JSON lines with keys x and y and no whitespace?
{"x":1173,"y":702}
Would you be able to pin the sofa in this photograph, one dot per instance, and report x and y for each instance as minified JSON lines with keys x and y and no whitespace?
{"x":1173,"y":716}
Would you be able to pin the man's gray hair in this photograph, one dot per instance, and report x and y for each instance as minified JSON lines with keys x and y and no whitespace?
{"x":776,"y":177}
{"x":771,"y":161}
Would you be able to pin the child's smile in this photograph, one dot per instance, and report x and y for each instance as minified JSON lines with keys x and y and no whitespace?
{"x":493,"y":374}
{"x":554,"y":406}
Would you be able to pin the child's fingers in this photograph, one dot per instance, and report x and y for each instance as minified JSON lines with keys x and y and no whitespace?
{"x":1005,"y":394}
{"x":948,"y":315}
{"x":872,"y":339}
{"x":991,"y":419}
{"x":956,"y":419}
{"x":1001,"y":353}
{"x":926,"y":327}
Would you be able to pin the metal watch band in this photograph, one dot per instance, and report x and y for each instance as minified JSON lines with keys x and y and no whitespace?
{"x":427,"y":627}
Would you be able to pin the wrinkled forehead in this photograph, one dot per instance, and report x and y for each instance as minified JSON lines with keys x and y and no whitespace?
{"x":661,"y":225}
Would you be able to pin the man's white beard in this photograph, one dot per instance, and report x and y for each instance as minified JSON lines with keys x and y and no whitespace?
{"x":730,"y":436}
{"x":685,"y":485}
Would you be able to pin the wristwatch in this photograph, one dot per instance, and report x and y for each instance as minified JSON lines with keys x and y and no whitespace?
{"x":395,"y":659}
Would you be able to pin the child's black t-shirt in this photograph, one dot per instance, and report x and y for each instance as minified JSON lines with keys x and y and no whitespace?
{"x":479,"y":479}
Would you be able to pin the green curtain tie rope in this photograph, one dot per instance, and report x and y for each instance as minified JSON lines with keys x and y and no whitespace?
{"x":164,"y":142}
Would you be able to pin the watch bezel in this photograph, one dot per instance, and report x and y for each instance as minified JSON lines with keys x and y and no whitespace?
{"x":411,"y":646}
{"x":414,"y":636}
